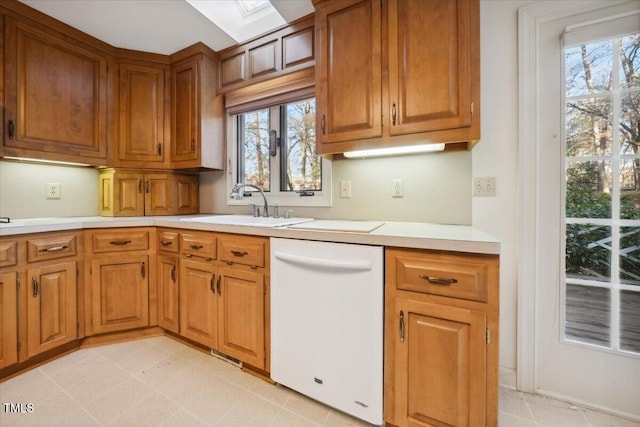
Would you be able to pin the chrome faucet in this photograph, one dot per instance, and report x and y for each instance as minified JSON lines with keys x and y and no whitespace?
{"x":236,"y":195}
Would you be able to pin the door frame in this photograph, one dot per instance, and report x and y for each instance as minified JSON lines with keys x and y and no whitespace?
{"x":530,"y":19}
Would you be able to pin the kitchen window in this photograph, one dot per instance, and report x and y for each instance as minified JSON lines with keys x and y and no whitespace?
{"x":273,"y":148}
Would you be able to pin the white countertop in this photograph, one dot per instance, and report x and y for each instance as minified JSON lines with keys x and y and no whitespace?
{"x":459,"y":238}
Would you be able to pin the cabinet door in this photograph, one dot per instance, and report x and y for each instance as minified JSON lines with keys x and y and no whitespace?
{"x":9,"y":316}
{"x":348,"y":71}
{"x":128,"y":193}
{"x":241,"y":314}
{"x":56,"y":98}
{"x":168,"y":293}
{"x":141,"y":116}
{"x":158,"y":197}
{"x":120,"y":293}
{"x":440,"y":365}
{"x":185,"y":137}
{"x":187,"y":198}
{"x":51,"y":307}
{"x":429,"y":65}
{"x":198,"y":302}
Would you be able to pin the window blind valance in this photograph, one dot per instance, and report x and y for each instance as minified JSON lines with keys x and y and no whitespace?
{"x":602,"y":29}
{"x":290,"y":87}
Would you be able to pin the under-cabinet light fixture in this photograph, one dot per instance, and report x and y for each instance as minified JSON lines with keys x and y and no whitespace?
{"x":395,"y":151}
{"x":50,"y":162}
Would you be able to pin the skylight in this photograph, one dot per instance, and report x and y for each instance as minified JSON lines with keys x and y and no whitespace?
{"x":241,"y":19}
{"x":248,"y":7}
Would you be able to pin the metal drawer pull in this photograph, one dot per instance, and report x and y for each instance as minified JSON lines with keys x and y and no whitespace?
{"x":165,"y":242}
{"x":401,"y":326}
{"x":438,"y":280}
{"x":54,"y":249}
{"x":120,"y":242}
{"x":240,"y":253}
{"x":196,"y":247}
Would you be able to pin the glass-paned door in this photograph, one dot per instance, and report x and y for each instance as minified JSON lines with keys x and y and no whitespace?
{"x":601,"y":288}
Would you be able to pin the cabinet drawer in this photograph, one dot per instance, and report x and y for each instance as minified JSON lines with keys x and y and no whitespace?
{"x":51,"y":247}
{"x":202,"y":245}
{"x":8,"y":253}
{"x":242,"y":250}
{"x":168,"y":241}
{"x":446,"y":275}
{"x":119,"y":241}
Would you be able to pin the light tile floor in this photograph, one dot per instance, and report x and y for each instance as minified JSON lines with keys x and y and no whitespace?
{"x":161,"y":382}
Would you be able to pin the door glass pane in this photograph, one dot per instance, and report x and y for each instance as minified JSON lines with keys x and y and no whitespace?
{"x":588,"y":252}
{"x":588,"y":186}
{"x":303,"y":166}
{"x":588,"y":316}
{"x":630,"y":256}
{"x":588,"y":68}
{"x":588,"y":127}
{"x":630,"y":123}
{"x":630,"y":189}
{"x":630,"y":61}
{"x":253,"y":149}
{"x":630,"y":321}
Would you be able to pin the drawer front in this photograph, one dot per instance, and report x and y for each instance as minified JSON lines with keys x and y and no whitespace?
{"x":242,"y":250}
{"x":8,"y":253}
{"x":51,"y":247}
{"x":451,"y":277}
{"x":202,"y":245}
{"x":168,"y":241}
{"x":122,"y":240}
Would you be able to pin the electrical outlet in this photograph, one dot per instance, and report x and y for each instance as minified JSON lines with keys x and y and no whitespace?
{"x":484,"y":186}
{"x":345,"y":189}
{"x":53,"y":191}
{"x":397,"y":188}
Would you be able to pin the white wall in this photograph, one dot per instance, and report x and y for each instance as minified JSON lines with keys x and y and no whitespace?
{"x":497,"y":155}
{"x":23,"y":188}
{"x":437,"y":188}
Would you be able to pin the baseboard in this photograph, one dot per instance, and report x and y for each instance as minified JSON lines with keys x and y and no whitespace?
{"x":507,"y":378}
{"x":588,"y":405}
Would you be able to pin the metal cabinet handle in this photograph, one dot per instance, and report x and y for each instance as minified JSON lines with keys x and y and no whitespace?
{"x":196,"y":247}
{"x":240,"y":253}
{"x":120,"y":242}
{"x":166,"y":242}
{"x":139,"y":186}
{"x":146,"y":186}
{"x":219,"y":290}
{"x":143,"y":270}
{"x":323,"y":124}
{"x":54,"y":249}
{"x":159,"y":149}
{"x":34,"y":280}
{"x":401,"y":326}
{"x":438,"y":280}
{"x":193,"y":145}
{"x":393,"y":114}
{"x":211,"y":286}
{"x":11,"y":129}
{"x":173,"y":273}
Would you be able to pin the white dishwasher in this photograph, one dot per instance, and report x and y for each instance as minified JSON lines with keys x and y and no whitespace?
{"x":327,"y":323}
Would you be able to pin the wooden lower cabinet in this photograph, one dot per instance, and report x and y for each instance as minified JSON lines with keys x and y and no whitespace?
{"x":440,"y":365}
{"x":120,"y":293}
{"x":51,"y":306}
{"x":198,"y":302}
{"x":441,"y":338}
{"x":9,"y":317}
{"x":241,"y":307}
{"x":168,"y":293}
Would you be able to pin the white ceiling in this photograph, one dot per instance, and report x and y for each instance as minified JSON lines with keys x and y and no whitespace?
{"x":163,"y":26}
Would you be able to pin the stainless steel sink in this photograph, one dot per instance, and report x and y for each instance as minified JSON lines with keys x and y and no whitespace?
{"x":247,"y":220}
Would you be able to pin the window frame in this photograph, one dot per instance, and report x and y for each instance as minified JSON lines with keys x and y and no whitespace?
{"x":275,"y":196}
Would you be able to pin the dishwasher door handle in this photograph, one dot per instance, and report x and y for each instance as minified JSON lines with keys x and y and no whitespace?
{"x":324,"y":264}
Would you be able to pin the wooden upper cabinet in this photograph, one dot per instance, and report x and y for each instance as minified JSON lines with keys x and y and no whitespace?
{"x":197,"y":114}
{"x":141,"y":115}
{"x":55,"y":96}
{"x":429,"y":82}
{"x":396,"y":68}
{"x":348,"y":71}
